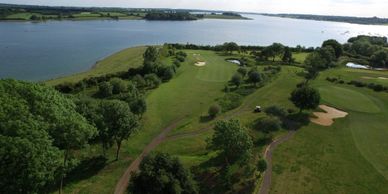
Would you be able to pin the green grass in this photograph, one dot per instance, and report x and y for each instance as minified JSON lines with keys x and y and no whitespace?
{"x":300,"y":57}
{"x":347,"y":157}
{"x":118,"y":62}
{"x":348,"y":99}
{"x":217,"y":69}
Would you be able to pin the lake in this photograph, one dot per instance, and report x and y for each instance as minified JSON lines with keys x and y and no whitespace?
{"x":46,"y":50}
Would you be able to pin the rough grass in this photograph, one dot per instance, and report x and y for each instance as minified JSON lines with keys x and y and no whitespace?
{"x":118,"y":62}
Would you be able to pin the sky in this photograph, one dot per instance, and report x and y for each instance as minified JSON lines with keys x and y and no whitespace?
{"x":362,"y":8}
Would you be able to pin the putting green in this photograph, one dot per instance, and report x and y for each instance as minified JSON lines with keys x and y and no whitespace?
{"x":216,"y":68}
{"x":348,"y":99}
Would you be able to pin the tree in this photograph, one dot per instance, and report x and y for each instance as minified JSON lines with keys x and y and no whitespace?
{"x":161,"y":173}
{"x":305,"y":97}
{"x":105,"y":89}
{"x":118,"y":85}
{"x":27,"y":158}
{"x":151,"y":54}
{"x":314,"y":63}
{"x":243,"y":71}
{"x":236,"y":80}
{"x":214,"y":111}
{"x":335,"y":45}
{"x":229,"y":47}
{"x":254,"y":77}
{"x":33,"y":107}
{"x":232,"y":139}
{"x":274,"y":50}
{"x":287,"y":56}
{"x":119,"y":121}
{"x":379,"y":59}
{"x":328,"y":54}
{"x":152,"y":80}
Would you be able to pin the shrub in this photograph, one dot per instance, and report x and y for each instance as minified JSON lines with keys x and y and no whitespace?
{"x":276,"y":111}
{"x":152,"y":80}
{"x":261,"y":165}
{"x":268,"y":124}
{"x":230,"y":101}
{"x":214,"y":111}
{"x":105,"y":89}
{"x":118,"y":85}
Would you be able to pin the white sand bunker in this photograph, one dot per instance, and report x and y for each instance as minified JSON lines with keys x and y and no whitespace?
{"x":327,"y":118}
{"x":200,"y":63}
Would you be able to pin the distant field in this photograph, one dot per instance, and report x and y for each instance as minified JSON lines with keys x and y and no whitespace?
{"x":21,"y":16}
{"x":121,"y":61}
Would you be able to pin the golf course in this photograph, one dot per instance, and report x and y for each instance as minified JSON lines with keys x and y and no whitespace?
{"x":182,"y":118}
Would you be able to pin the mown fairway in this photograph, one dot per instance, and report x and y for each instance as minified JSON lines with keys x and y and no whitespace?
{"x":348,"y":157}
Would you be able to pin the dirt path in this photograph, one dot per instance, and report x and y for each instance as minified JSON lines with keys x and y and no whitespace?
{"x":266,"y":184}
{"x":122,"y":184}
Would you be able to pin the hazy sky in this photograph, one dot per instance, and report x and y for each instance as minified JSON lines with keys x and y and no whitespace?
{"x":330,"y":7}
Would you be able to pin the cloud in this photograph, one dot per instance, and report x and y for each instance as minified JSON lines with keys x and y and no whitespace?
{"x":328,"y":7}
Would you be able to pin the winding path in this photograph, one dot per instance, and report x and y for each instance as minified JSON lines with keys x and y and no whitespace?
{"x":122,"y":184}
{"x":266,"y":184}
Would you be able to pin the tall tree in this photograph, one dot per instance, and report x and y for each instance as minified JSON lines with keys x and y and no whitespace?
{"x":335,"y":45}
{"x":254,"y":77}
{"x":119,"y":121}
{"x":305,"y":97}
{"x":229,"y":47}
{"x":236,"y":80}
{"x":276,"y":49}
{"x":232,"y":139}
{"x":287,"y":56}
{"x":35,"y":106}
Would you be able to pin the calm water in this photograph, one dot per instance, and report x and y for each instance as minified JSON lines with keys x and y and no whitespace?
{"x":39,"y":51}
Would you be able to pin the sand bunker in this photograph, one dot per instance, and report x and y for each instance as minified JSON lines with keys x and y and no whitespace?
{"x":200,"y":64}
{"x":384,"y":78}
{"x":327,"y":118}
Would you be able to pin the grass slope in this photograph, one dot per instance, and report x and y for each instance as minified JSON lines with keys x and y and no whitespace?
{"x":118,"y":62}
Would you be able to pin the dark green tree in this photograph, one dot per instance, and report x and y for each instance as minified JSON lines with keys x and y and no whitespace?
{"x":305,"y":97}
{"x":118,"y":85}
{"x":161,"y":173}
{"x":105,"y":89}
{"x":236,"y":80}
{"x":119,"y":121}
{"x":232,"y":139}
{"x":229,"y":47}
{"x":243,"y":71}
{"x":254,"y":77}
{"x":335,"y":45}
{"x":214,"y":111}
{"x":287,"y":56}
{"x":35,"y":105}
